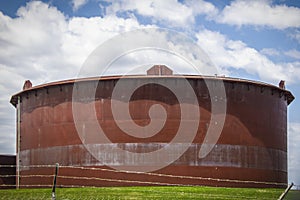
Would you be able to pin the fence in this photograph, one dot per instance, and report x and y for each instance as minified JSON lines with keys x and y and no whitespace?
{"x":80,"y":176}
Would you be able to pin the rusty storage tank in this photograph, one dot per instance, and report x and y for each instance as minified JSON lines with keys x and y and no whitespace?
{"x":250,"y":152}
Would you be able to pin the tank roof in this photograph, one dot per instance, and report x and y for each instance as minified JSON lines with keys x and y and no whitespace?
{"x":289,"y":95}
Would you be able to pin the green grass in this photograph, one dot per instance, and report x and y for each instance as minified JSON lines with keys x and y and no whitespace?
{"x":293,"y":195}
{"x":147,"y":193}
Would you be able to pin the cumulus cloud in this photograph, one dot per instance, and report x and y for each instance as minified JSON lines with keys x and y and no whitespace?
{"x":270,"y":52}
{"x":153,"y":46}
{"x":159,"y":10}
{"x":85,"y":34}
{"x":200,"y":7}
{"x":41,"y":40}
{"x":78,"y":3}
{"x":183,"y":14}
{"x":293,"y":53}
{"x":260,"y":13}
{"x":32,"y":39}
{"x":234,"y":54}
{"x":170,"y":12}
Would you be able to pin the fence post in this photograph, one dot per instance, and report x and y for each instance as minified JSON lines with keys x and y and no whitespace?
{"x":54,"y":181}
{"x":285,"y":192}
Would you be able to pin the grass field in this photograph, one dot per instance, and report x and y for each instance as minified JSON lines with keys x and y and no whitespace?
{"x":147,"y":193}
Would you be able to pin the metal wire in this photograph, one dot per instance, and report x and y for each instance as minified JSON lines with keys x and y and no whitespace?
{"x":134,"y":172}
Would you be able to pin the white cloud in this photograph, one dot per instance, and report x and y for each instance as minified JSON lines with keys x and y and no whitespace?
{"x":229,"y":54}
{"x":170,"y":12}
{"x":78,"y":3}
{"x":260,"y":13}
{"x":159,"y":10}
{"x":10,"y":80}
{"x":293,"y":152}
{"x":7,"y":146}
{"x":41,"y":40}
{"x":32,"y":39}
{"x":200,"y":7}
{"x":85,"y":34}
{"x":293,"y":53}
{"x":182,"y":14}
{"x":295,"y":35}
{"x":270,"y":52}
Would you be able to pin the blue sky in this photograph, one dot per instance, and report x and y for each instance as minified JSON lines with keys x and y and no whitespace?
{"x":48,"y":40}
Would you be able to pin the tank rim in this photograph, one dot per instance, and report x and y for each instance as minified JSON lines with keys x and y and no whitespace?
{"x":287,"y":93}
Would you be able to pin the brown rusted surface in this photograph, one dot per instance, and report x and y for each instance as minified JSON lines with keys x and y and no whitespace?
{"x":27,"y":85}
{"x":159,"y":70}
{"x":282,"y":84}
{"x":252,"y":145}
{"x":69,"y":177}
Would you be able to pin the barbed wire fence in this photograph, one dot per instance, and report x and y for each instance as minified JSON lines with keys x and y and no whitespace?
{"x":123,"y":180}
{"x":85,"y":177}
